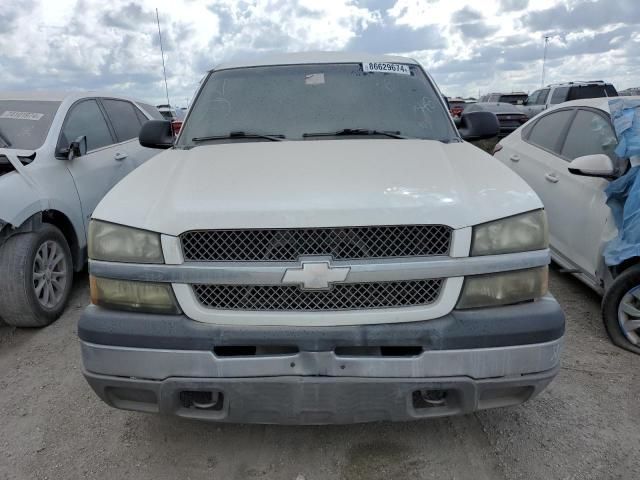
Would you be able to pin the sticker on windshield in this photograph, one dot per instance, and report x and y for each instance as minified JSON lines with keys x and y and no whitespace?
{"x":21,"y":115}
{"x":314,"y":79}
{"x":386,"y":68}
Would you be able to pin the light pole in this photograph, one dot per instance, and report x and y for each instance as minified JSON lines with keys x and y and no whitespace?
{"x":544,"y":58}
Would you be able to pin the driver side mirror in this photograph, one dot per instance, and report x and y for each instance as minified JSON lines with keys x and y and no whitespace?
{"x":156,"y":134}
{"x":478,"y":125}
{"x":599,"y":165}
{"x":77,"y":148}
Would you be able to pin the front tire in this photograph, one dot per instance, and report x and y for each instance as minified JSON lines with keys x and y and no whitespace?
{"x":621,"y":310}
{"x":36,"y":276}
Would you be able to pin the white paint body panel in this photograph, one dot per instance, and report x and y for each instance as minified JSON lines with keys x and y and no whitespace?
{"x":70,"y":187}
{"x":580,"y":222}
{"x":319,"y":183}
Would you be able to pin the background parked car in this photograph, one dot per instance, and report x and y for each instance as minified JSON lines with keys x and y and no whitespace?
{"x":509,"y":117}
{"x":514,"y":98}
{"x":550,"y":153}
{"x":175,"y":115}
{"x":542,"y":99}
{"x":630,"y":92}
{"x":456,"y":106}
{"x":59,"y":155}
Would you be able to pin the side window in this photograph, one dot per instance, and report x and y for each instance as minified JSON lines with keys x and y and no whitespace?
{"x":542,"y":97}
{"x":141,"y":117}
{"x":533,"y":98}
{"x":559,"y":95}
{"x":589,"y":134}
{"x":86,"y":118}
{"x":547,"y":132}
{"x":123,"y":118}
{"x":153,"y":111}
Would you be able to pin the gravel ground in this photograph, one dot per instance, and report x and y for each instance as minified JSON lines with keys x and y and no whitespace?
{"x":584,"y":426}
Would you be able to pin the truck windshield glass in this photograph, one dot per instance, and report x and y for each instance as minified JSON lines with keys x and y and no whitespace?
{"x":24,"y":124}
{"x":293,"y":100}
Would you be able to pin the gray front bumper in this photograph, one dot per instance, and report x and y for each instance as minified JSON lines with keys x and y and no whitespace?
{"x":318,"y":387}
{"x":317,"y":400}
{"x":480,"y":359}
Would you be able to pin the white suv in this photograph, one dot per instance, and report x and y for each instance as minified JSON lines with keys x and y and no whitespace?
{"x":567,"y":156}
{"x":558,"y":93}
{"x":59,"y":155}
{"x":320,"y":246}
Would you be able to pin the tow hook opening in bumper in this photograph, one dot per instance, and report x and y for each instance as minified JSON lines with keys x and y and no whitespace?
{"x":202,"y":400}
{"x":429,"y":398}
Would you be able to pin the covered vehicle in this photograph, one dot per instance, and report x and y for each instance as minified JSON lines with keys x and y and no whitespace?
{"x":324,"y":248}
{"x":581,"y":161}
{"x":59,"y":155}
{"x":509,"y":117}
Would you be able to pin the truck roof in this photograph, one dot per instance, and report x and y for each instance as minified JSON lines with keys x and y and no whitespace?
{"x":301,"y":58}
{"x":579,"y":83}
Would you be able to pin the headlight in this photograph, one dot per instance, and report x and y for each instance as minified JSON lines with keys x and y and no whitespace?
{"x":133,"y":296}
{"x":116,"y":243}
{"x":504,"y":288}
{"x":519,"y":233}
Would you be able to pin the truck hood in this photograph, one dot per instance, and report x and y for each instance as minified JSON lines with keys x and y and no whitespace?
{"x":317,"y":183}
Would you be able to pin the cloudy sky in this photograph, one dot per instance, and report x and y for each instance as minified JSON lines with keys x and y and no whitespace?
{"x":468,"y":46}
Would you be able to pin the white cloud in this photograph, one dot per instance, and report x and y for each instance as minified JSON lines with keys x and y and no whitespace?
{"x":86,"y":44}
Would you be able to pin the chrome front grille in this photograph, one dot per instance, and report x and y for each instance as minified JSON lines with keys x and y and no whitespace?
{"x":343,"y":296}
{"x":341,"y":243}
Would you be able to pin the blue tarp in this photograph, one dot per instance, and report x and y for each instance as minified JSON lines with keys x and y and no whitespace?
{"x":623,"y":194}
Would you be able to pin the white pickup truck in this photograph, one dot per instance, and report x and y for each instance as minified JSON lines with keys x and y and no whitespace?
{"x":319,"y":245}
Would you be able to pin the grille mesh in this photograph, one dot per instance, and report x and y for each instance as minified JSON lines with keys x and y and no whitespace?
{"x":342,"y":243}
{"x":343,"y":296}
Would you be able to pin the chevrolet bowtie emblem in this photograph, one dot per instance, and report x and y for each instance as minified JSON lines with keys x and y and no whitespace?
{"x":315,"y":275}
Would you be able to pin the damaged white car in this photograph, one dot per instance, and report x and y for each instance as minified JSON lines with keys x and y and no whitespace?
{"x":59,"y":155}
{"x":581,"y":158}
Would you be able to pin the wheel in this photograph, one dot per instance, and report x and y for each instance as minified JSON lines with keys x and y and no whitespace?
{"x":621,"y":310}
{"x":36,"y":275}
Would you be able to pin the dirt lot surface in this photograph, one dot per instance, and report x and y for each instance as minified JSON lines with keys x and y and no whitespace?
{"x":586,"y":425}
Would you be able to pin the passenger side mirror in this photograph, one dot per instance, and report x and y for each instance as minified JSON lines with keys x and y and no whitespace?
{"x":599,"y":165}
{"x":478,"y":125}
{"x":156,"y":134}
{"x":77,"y":148}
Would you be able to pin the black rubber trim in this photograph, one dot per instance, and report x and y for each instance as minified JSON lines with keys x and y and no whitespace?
{"x":527,"y":323}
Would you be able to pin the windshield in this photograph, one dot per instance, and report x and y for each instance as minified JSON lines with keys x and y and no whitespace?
{"x":24,"y":124}
{"x":513,"y":99}
{"x":294,"y":100}
{"x":588,"y":91}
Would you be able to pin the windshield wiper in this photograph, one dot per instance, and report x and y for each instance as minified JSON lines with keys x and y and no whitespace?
{"x":355,"y":131}
{"x":4,"y":143}
{"x":231,"y":135}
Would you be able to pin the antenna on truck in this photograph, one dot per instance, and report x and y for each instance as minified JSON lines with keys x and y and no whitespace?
{"x":544,"y":58}
{"x":164,"y":70}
